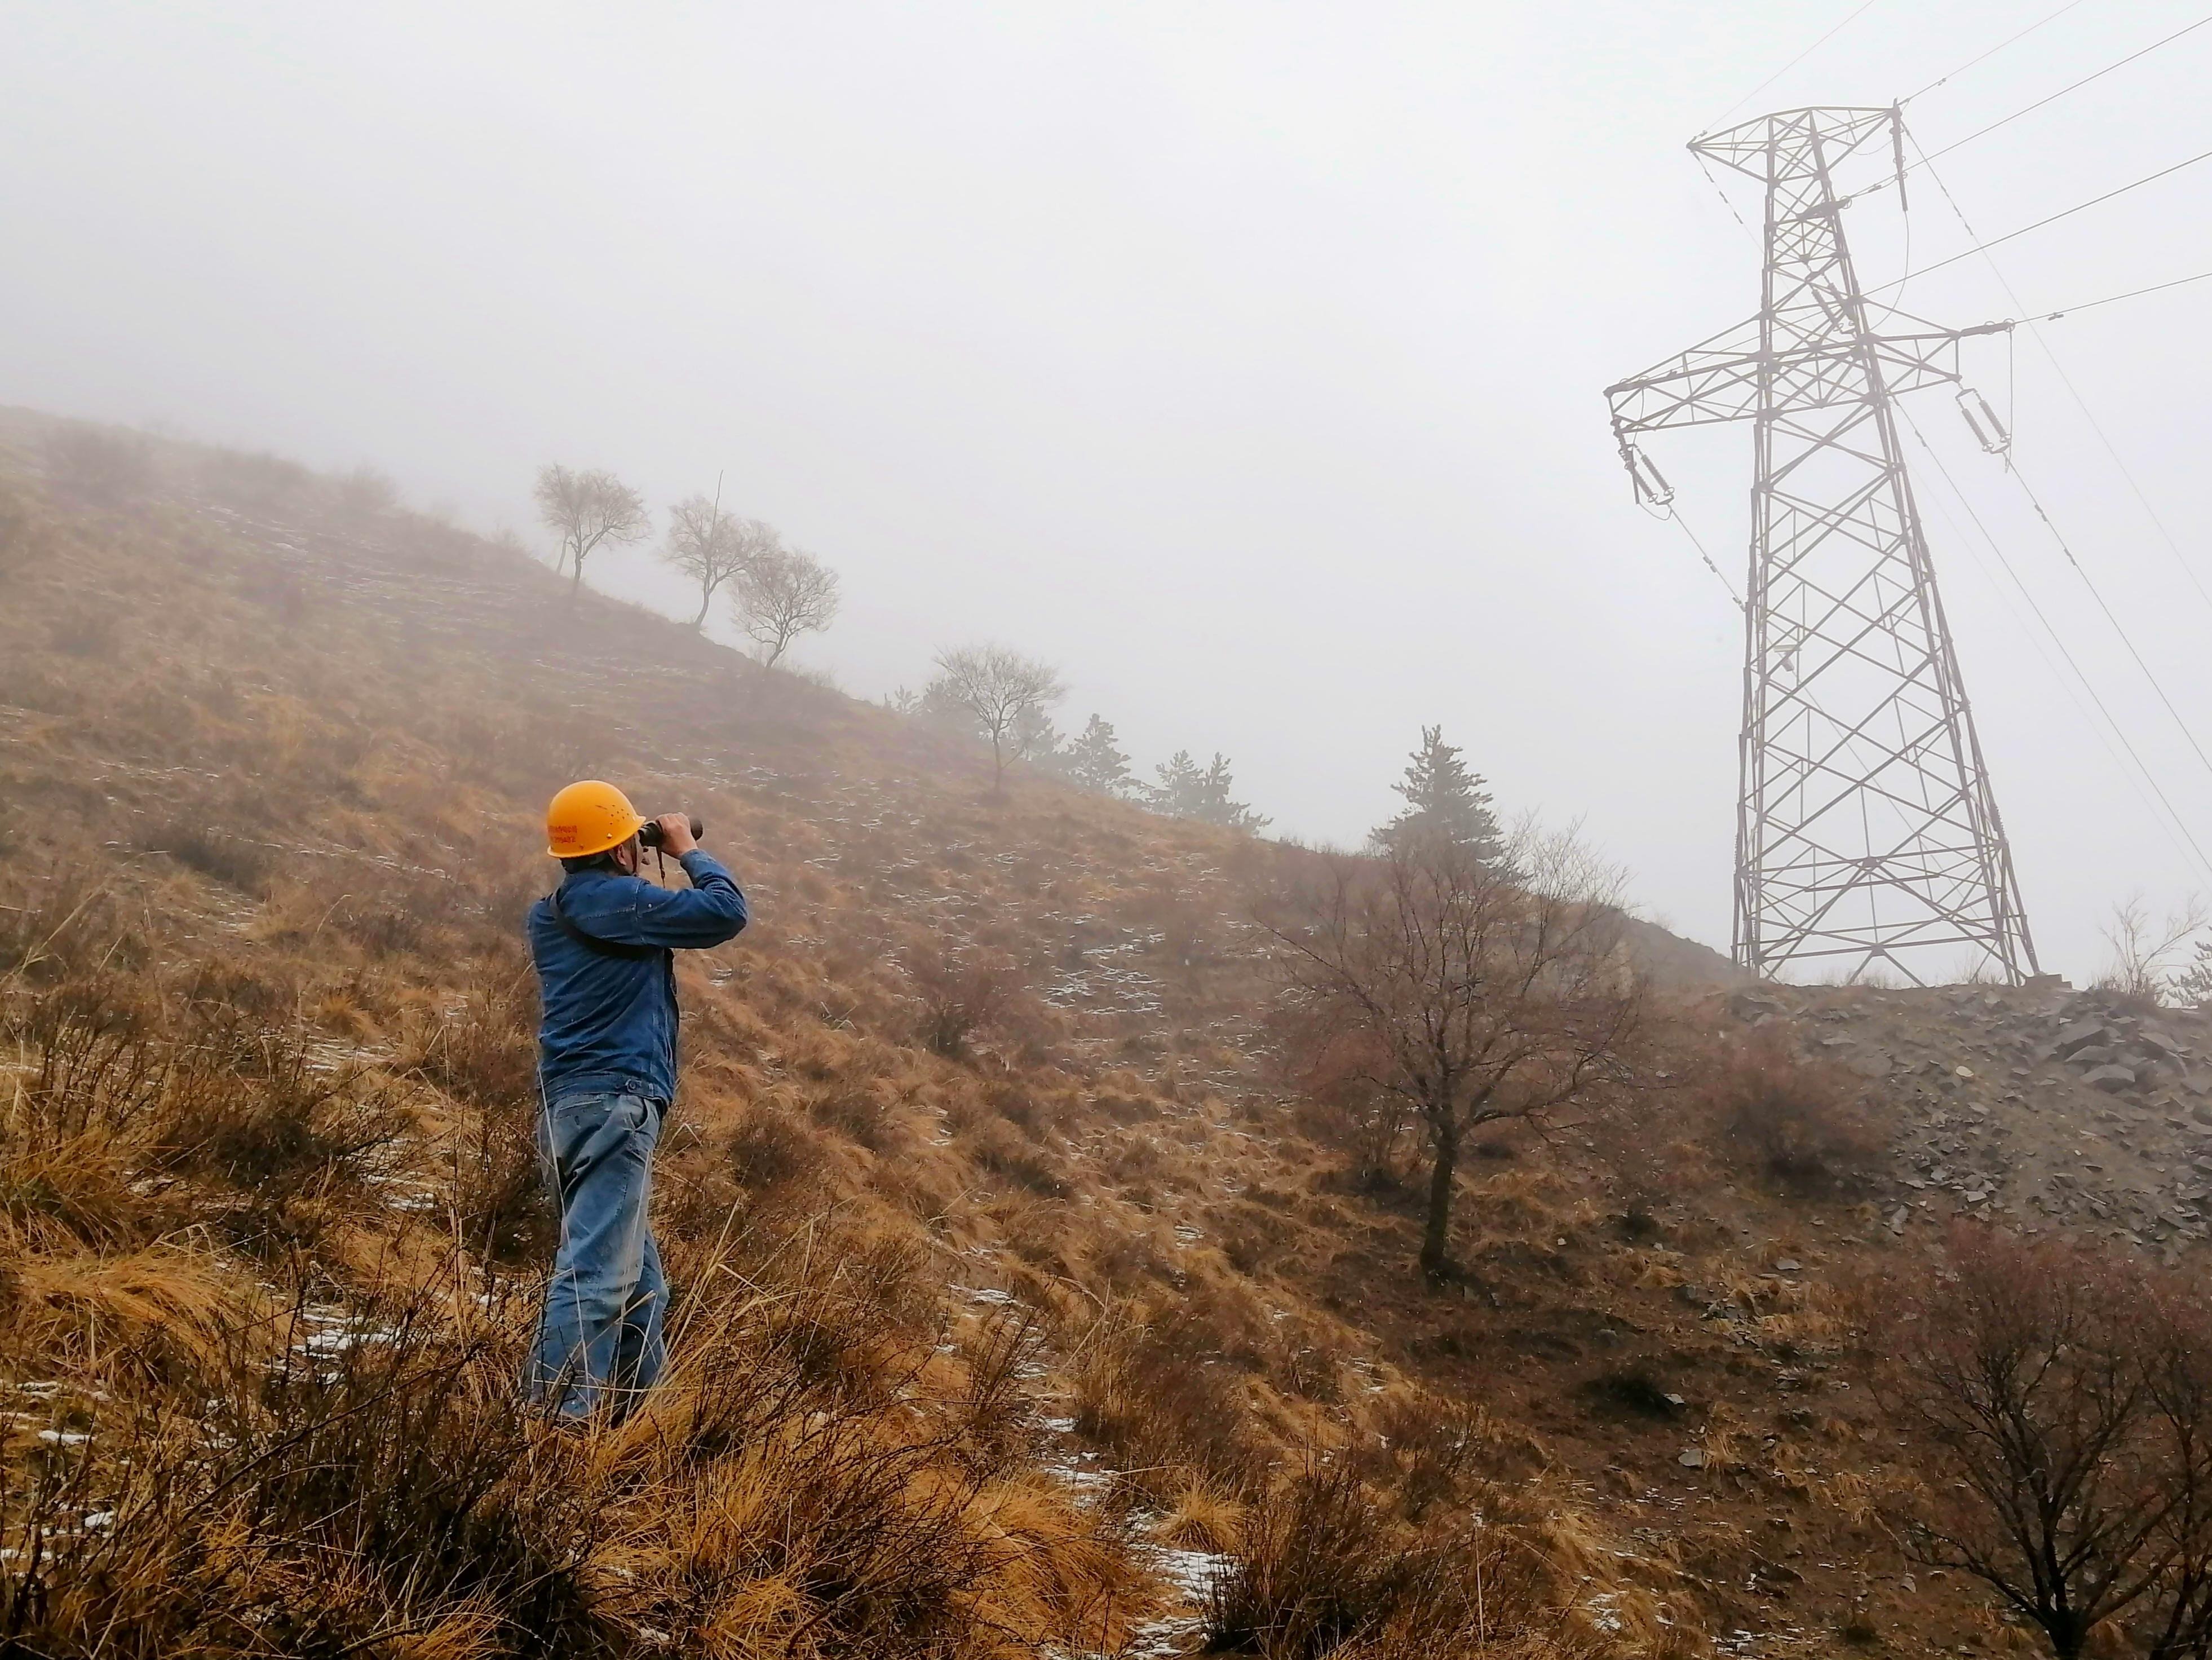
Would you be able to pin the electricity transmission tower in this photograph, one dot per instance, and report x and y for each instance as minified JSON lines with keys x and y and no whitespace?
{"x":1865,"y":828}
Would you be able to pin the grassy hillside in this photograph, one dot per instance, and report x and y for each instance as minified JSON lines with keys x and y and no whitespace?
{"x":1022,"y":1306}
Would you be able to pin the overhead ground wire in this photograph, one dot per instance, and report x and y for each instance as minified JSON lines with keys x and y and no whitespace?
{"x":2029,"y":109}
{"x":1857,"y":12}
{"x":2173,"y":823}
{"x":2117,"y":628}
{"x":1970,"y":63}
{"x":2056,"y":536}
{"x":2135,"y":487}
{"x":2076,"y":86}
{"x":2113,"y":299}
{"x":2064,"y":213}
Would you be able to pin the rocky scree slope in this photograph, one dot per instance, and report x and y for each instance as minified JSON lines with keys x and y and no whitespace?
{"x":2042,"y":1105}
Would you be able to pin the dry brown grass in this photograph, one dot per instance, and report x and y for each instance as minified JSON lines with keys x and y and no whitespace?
{"x":979,"y":1133}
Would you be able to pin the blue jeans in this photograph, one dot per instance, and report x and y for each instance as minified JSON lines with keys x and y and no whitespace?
{"x":599,"y":1343}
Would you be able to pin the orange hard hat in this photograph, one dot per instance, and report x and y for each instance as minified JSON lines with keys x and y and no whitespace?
{"x":588,"y":817}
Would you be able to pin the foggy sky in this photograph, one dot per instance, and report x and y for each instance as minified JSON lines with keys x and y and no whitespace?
{"x":1244,"y":360}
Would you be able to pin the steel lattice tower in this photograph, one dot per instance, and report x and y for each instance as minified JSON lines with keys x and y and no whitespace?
{"x":1865,"y":827}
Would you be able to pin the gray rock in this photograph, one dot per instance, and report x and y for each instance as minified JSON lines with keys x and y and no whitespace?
{"x":1873,"y":1064}
{"x":2081,"y":1034}
{"x":2110,"y":1079}
{"x":1693,"y":1458}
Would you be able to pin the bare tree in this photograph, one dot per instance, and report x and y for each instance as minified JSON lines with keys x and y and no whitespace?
{"x":2175,"y":1623}
{"x":1472,"y":990}
{"x":1004,"y":693}
{"x":2143,"y":951}
{"x":713,"y":547}
{"x":584,"y":509}
{"x":2067,"y":1399}
{"x":782,"y":594}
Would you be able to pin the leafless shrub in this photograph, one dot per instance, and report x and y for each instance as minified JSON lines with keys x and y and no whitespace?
{"x":87,"y":631}
{"x":99,"y":466}
{"x":1433,"y":1451}
{"x":1801,"y":1127}
{"x":243,"y":862}
{"x":275,"y":586}
{"x":2067,"y":1397}
{"x":770,"y":1153}
{"x":2143,"y":951}
{"x":98,"y":1065}
{"x":1343,"y":1105}
{"x":999,"y":1416}
{"x":25,"y":536}
{"x":484,"y":1053}
{"x":997,"y":1148}
{"x":252,"y":1108}
{"x":71,"y":1127}
{"x":346,"y":1482}
{"x":364,"y":496}
{"x":960,"y":996}
{"x":254,"y":482}
{"x":1317,"y":1571}
{"x":1323,"y":1565}
{"x":501,"y":1206}
{"x":69,"y":923}
{"x":1154,"y":1385}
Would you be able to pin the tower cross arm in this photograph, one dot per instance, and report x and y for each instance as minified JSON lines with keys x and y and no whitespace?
{"x":1720,"y":379}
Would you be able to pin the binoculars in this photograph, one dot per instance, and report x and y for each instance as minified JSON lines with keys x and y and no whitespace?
{"x":649,"y":833}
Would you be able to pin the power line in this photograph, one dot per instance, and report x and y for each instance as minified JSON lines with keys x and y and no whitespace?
{"x":2172,"y":546}
{"x":2053,"y":97}
{"x":2086,"y":305}
{"x":2166,"y":825}
{"x":2173,"y":820}
{"x":2114,"y":299}
{"x":1941,"y":79}
{"x":2034,"y":502}
{"x":1860,"y":10}
{"x":2067,"y":213}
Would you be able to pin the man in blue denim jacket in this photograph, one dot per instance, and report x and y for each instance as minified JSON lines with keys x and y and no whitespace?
{"x":603,"y":943}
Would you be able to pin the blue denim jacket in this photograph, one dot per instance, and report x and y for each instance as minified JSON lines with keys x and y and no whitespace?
{"x":609,"y":1022}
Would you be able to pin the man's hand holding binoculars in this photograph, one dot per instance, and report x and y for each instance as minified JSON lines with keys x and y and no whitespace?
{"x":673,"y":833}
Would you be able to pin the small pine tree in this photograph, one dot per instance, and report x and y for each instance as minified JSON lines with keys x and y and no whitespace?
{"x":2192,"y":987}
{"x":1033,"y":737}
{"x":1094,"y":761}
{"x":1188,"y":791}
{"x":1443,"y":799}
{"x":1179,"y":786}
